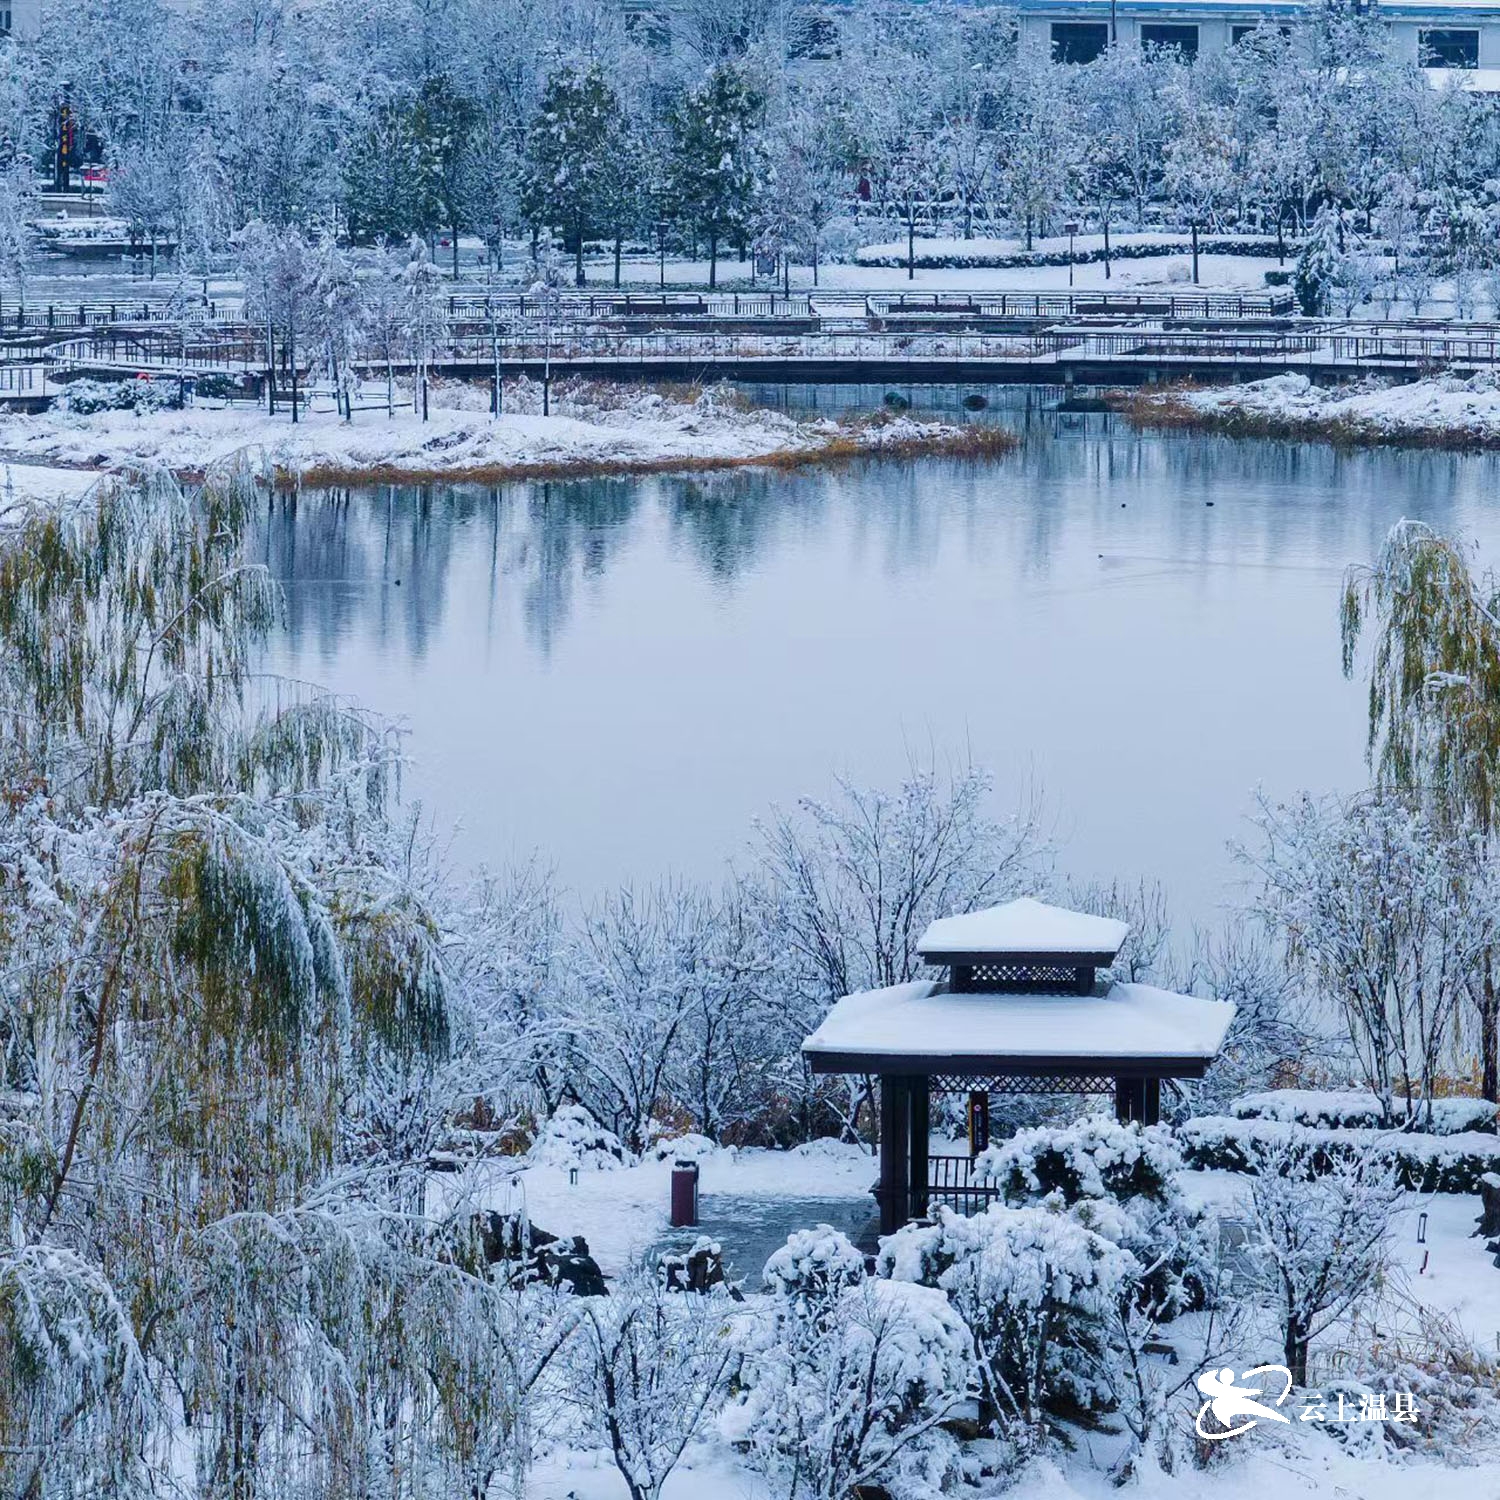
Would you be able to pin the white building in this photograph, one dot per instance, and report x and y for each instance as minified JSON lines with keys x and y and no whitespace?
{"x":21,"y":18}
{"x":1437,"y":34}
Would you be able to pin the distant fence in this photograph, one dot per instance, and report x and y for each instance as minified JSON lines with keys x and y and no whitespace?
{"x":34,"y":316}
{"x":1173,"y":305}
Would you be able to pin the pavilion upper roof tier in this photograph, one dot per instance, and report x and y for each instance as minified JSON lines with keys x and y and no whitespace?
{"x":1023,"y":932}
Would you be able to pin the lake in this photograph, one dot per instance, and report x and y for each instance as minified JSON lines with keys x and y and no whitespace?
{"x":623,"y":674}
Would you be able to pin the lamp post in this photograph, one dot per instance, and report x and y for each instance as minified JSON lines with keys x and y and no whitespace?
{"x":1070,"y":229}
{"x":661,"y":251}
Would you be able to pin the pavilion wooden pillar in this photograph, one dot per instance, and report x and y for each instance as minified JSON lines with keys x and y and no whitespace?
{"x":1138,"y":1100}
{"x":895,"y":1151}
{"x":921,"y":1129}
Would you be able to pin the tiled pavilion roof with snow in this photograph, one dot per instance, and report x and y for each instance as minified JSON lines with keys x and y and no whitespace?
{"x":1021,"y":1009}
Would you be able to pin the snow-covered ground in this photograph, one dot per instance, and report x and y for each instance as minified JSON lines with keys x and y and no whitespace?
{"x":1441,"y":408}
{"x":623,"y":1212}
{"x":40,"y":482}
{"x":587,"y":431}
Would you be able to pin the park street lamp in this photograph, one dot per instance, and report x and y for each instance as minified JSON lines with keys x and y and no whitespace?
{"x":1070,"y":229}
{"x":661,"y":251}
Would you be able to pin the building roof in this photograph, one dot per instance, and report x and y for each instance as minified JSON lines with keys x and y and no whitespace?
{"x":1023,"y":927}
{"x":1452,"y":12}
{"x":922,"y":1027}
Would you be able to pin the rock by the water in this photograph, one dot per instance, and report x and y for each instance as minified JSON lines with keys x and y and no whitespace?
{"x":699,"y":1270}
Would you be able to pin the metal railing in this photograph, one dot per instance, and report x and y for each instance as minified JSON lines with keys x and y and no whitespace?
{"x":1173,"y":305}
{"x":240,"y":347}
{"x":40,"y":316}
{"x":951,"y":1180}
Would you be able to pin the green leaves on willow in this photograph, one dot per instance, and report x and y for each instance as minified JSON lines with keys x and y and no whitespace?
{"x":1434,"y":700}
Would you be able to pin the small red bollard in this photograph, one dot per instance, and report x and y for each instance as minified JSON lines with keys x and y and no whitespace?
{"x":684,"y":1194}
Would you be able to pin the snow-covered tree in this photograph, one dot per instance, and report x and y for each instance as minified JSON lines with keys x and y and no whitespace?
{"x":336,"y":317}
{"x":213,"y":967}
{"x":848,"y":886}
{"x":650,"y":1368}
{"x":571,"y":147}
{"x":1320,"y":1230}
{"x":424,"y":308}
{"x":18,"y":207}
{"x":713,"y":154}
{"x":1390,"y":916}
{"x":644,"y":976}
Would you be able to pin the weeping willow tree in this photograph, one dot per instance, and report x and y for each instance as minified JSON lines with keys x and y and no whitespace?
{"x":1434,"y":701}
{"x":224,"y":1025}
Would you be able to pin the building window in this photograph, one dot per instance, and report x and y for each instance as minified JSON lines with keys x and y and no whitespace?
{"x":1079,"y":41}
{"x":1182,"y":39}
{"x":1448,"y":49}
{"x":4,"y":21}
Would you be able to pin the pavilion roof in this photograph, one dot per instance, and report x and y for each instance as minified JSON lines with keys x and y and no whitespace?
{"x":1023,"y":927}
{"x":922,"y":1027}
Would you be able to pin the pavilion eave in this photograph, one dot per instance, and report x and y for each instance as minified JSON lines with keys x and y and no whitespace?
{"x":998,"y":1064}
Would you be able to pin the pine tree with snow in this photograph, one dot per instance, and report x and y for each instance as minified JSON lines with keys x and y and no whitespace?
{"x":714,"y":149}
{"x":1320,"y":263}
{"x":571,"y":148}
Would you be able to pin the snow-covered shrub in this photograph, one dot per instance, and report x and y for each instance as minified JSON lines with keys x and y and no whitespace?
{"x":1331,"y":1109}
{"x":853,"y":1395}
{"x":1096,"y":1158}
{"x":1036,"y":1290}
{"x":573,"y":1138}
{"x":1455,"y":1384}
{"x":85,"y":397}
{"x":689,"y":1147}
{"x":648,"y":1370}
{"x":814,"y":1266}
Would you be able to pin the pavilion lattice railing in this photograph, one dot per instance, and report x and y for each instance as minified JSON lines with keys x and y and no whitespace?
{"x":1042,"y":979}
{"x":1022,"y":1083}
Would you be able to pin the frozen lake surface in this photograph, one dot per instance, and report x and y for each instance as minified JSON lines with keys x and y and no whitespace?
{"x":622,"y":674}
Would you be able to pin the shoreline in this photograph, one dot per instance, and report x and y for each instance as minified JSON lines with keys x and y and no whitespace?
{"x":1439,"y":412}
{"x":942,"y":442}
{"x":594,"y":431}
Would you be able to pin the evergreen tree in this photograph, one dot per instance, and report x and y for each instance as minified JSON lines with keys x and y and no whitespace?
{"x":384,"y":182}
{"x":1319,"y":265}
{"x":570,"y":152}
{"x":444,"y":124}
{"x":713,"y":157}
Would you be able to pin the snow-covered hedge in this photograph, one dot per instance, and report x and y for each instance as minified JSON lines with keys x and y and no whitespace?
{"x":85,"y":397}
{"x":951,"y":255}
{"x":1095,"y":1158}
{"x":1329,"y":1109}
{"x":574,"y":1138}
{"x":1423,"y":1163}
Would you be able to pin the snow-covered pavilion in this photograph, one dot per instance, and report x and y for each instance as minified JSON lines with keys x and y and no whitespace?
{"x":1021,"y":1010}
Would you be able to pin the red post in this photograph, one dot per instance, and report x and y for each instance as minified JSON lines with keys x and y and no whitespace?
{"x":684,"y":1194}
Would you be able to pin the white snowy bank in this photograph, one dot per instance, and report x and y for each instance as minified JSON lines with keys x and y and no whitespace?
{"x":591,"y":429}
{"x":1443,"y":409}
